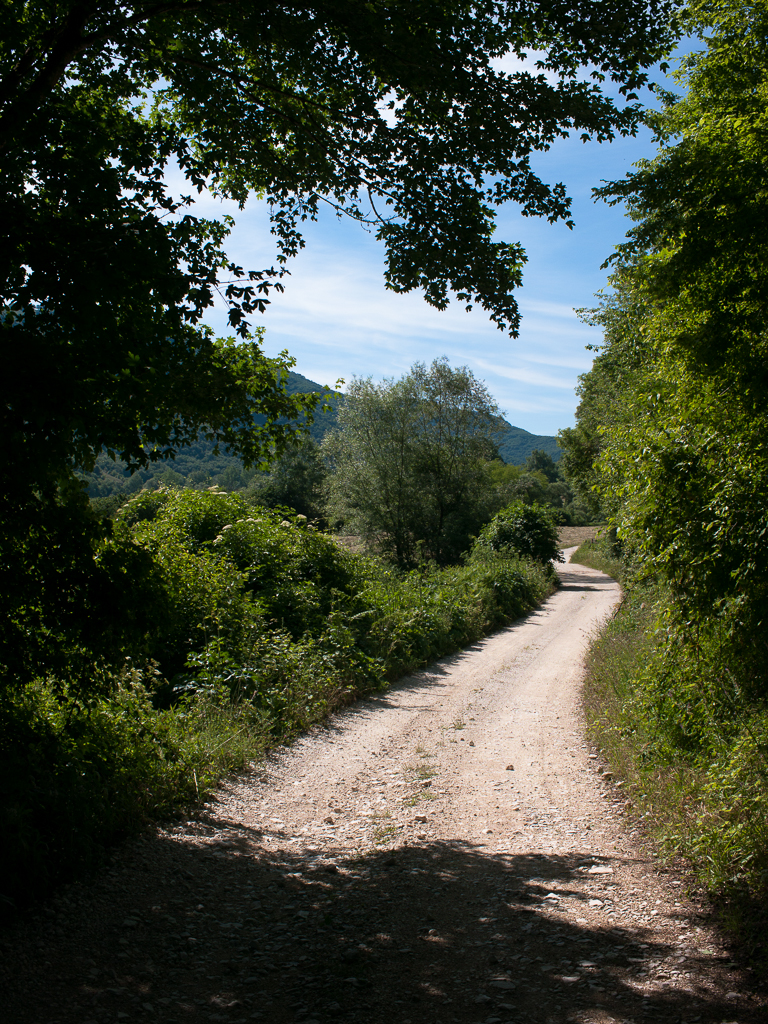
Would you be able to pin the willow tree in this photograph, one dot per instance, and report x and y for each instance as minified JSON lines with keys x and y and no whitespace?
{"x":407,"y":462}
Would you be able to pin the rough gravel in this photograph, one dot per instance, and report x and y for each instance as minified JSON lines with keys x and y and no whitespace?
{"x":449,"y":851}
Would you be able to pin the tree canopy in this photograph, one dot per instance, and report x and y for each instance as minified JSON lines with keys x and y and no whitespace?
{"x":390,"y":112}
{"x":672,"y":425}
{"x":693,"y":283}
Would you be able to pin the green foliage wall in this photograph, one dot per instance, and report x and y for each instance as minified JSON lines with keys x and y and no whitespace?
{"x":672,"y":434}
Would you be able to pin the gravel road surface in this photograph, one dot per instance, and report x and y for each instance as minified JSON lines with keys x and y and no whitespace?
{"x":448,"y":851}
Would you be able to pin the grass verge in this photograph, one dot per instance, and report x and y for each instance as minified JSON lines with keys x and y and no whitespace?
{"x":695,"y":779}
{"x":598,"y":553}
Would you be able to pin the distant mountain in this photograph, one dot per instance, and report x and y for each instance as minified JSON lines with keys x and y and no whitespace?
{"x":198,"y":466}
{"x":516,"y":444}
{"x":322,"y":421}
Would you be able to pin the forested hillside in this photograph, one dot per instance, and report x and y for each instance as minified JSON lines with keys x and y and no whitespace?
{"x":197,"y":465}
{"x":516,"y":445}
{"x":671,"y":444}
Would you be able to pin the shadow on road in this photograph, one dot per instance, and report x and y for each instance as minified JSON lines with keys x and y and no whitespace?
{"x":236,"y":924}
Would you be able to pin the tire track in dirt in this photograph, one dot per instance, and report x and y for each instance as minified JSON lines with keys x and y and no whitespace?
{"x":443,"y":852}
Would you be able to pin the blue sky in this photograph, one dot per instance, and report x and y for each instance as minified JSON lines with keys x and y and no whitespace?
{"x":337,"y":319}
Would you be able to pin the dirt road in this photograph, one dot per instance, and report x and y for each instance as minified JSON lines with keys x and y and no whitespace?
{"x":446,"y":852}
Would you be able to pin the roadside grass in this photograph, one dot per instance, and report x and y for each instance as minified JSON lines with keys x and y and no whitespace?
{"x":626,"y":646}
{"x":697,"y":785}
{"x":597,"y":553}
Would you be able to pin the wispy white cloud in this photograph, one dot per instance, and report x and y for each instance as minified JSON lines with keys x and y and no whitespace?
{"x":571,"y":362}
{"x":536,"y":406}
{"x":524,"y":376}
{"x":550,"y":309}
{"x":338,"y":320}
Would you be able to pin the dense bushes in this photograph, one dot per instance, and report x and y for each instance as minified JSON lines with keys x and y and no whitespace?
{"x":528,"y":530}
{"x":264,"y":626}
{"x":76,"y":777}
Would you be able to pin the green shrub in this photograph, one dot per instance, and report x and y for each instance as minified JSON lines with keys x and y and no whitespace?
{"x":76,"y":595}
{"x":232,"y":570}
{"x":527,"y":530}
{"x":76,"y":778}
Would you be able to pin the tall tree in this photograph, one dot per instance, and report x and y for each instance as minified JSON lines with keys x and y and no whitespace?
{"x":700,"y":238}
{"x":607,"y":392}
{"x":407,"y":462}
{"x":681,"y":454}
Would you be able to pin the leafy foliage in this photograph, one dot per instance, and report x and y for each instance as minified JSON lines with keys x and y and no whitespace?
{"x":529,"y":531}
{"x":75,"y":596}
{"x":605,"y":555}
{"x":691,"y":751}
{"x":543,"y":481}
{"x":76,"y":779}
{"x":294,"y":478}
